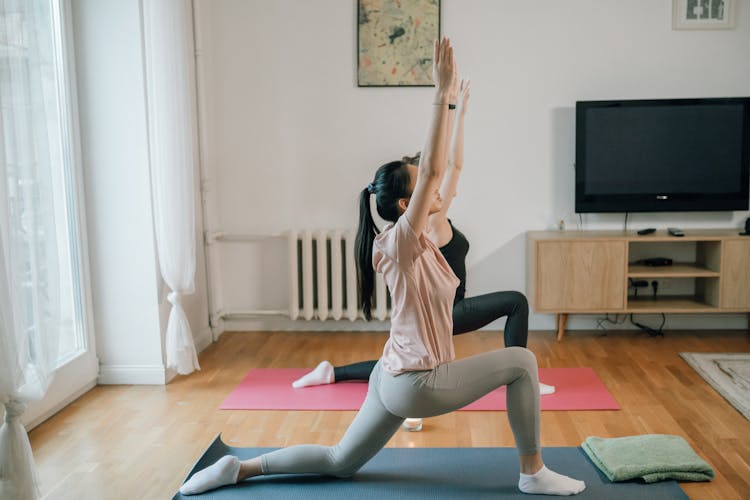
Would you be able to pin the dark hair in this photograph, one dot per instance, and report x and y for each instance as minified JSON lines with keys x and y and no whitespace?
{"x":413,"y":160}
{"x":391,"y":183}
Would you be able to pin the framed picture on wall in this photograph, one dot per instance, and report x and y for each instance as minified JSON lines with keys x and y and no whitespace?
{"x":702,"y":14}
{"x":395,"y":42}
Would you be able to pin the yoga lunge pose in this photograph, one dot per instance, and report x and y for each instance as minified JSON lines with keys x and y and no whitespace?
{"x":469,"y":314}
{"x":417,"y":374}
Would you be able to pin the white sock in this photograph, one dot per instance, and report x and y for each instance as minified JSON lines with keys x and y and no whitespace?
{"x":321,"y":375}
{"x":548,"y":482}
{"x":545,"y":389}
{"x":223,"y":472}
{"x":412,"y":424}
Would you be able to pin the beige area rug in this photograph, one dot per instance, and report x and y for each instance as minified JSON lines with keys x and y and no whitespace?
{"x":728,"y":373}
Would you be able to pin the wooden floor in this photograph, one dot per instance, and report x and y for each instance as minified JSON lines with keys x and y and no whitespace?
{"x":139,"y":442}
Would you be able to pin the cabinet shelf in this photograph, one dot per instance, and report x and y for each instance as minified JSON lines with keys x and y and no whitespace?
{"x":668,"y":304}
{"x":677,"y":270}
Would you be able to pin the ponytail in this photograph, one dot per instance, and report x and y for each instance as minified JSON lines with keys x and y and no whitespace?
{"x":366,"y":233}
{"x":391,"y":183}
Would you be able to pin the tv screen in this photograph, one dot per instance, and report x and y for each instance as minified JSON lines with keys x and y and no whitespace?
{"x":662,"y":155}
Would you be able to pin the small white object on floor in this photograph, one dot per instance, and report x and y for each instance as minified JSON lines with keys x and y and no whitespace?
{"x":412,"y":424}
{"x":321,"y":375}
{"x":549,"y":482}
{"x":545,"y":389}
{"x":221,"y":473}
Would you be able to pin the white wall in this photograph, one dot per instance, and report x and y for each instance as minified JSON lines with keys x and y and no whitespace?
{"x":128,"y":297}
{"x":290,"y":139}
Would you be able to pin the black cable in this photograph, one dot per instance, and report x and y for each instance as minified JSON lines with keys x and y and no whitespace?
{"x":600,"y":322}
{"x":652,"y":332}
{"x":580,"y":219}
{"x":626,"y":222}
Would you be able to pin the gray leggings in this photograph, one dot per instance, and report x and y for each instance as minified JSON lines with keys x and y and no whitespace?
{"x":391,"y":398}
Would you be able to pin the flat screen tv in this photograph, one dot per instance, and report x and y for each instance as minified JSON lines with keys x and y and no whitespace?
{"x":663,"y":155}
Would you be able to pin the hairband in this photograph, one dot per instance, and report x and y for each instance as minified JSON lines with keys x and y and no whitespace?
{"x":370,"y":188}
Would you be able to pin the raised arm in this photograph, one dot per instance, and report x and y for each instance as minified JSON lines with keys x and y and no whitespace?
{"x":435,"y":151}
{"x":456,"y":161}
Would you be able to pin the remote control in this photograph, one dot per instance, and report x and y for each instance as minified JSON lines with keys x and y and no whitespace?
{"x":673,"y":231}
{"x":646,"y":231}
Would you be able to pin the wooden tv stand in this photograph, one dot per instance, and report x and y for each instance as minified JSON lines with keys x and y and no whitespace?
{"x":589,"y":272}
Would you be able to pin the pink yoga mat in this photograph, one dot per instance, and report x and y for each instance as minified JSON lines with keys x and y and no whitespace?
{"x":271,"y":389}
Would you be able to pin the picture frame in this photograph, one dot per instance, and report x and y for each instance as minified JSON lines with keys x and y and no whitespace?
{"x":395,"y":42}
{"x":703,"y":14}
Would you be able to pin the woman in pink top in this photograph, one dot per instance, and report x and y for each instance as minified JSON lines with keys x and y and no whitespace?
{"x":469,"y":313}
{"x":417,"y":375}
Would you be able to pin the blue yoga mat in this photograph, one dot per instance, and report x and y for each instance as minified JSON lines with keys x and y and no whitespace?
{"x":429,"y":473}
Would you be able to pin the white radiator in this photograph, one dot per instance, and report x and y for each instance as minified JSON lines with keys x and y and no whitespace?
{"x":323,"y":277}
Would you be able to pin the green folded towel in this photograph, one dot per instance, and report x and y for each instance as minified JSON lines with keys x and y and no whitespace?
{"x":653,"y":457}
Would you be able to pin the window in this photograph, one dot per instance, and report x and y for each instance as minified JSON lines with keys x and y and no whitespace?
{"x":39,"y":173}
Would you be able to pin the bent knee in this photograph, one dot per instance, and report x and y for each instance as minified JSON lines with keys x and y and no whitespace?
{"x":524,"y":358}
{"x":342,"y":465}
{"x":344,"y":471}
{"x":520,"y":301}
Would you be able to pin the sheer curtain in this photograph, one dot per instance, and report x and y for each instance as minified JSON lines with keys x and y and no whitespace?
{"x":29,"y":288}
{"x":170,"y":77}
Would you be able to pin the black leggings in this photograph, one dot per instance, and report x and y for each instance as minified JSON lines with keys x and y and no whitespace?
{"x":468,"y":315}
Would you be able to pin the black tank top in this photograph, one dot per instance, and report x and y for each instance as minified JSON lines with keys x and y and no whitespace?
{"x":455,"y":254}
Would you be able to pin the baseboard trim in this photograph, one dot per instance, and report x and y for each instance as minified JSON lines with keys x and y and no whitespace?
{"x":716,"y":321}
{"x":204,"y":339}
{"x":132,"y":375}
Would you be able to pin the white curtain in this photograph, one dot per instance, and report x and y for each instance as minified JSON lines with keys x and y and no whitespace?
{"x":30,"y":152}
{"x":170,"y":77}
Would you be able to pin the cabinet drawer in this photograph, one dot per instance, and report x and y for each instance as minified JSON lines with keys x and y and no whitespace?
{"x":578,"y":276}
